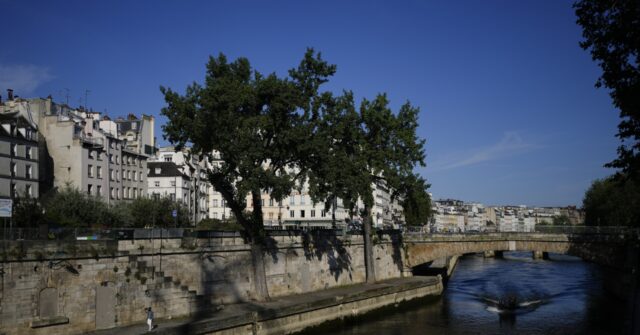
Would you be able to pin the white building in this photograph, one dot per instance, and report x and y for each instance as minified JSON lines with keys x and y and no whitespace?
{"x":182,"y":178}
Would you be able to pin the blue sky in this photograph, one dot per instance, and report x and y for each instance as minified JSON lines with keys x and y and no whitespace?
{"x":507,"y":97}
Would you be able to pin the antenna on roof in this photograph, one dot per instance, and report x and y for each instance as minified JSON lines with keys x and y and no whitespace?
{"x":86,"y":95}
{"x":65,"y":94}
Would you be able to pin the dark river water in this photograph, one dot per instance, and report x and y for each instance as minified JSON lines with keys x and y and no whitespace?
{"x":513,"y":295}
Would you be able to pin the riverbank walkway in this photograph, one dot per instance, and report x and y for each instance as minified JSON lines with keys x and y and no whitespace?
{"x":250,"y":313}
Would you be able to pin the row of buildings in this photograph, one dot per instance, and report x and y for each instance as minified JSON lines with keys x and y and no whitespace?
{"x":45,"y":145}
{"x":458,"y":216}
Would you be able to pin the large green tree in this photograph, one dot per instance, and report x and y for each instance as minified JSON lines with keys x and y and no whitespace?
{"x":613,"y":202}
{"x":416,"y":202}
{"x":261,"y":126}
{"x":611,"y":31}
{"x":366,"y":148}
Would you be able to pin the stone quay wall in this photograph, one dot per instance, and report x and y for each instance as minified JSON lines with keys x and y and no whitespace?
{"x":51,"y":287}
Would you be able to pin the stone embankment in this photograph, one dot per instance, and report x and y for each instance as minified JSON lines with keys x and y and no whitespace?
{"x":290,"y":314}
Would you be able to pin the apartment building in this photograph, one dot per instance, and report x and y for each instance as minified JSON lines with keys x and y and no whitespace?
{"x":19,"y":162}
{"x":186,"y":174}
{"x":78,"y":152}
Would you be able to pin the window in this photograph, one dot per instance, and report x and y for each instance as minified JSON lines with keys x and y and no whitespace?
{"x":99,"y":171}
{"x":292,"y":200}
{"x":90,"y":171}
{"x":173,"y":183}
{"x":302,"y":213}
{"x":157,"y":170}
{"x":140,"y":175}
{"x":99,"y":156}
{"x":224,"y":204}
{"x":215,"y":215}
{"x":323,"y":213}
{"x":13,"y":190}
{"x":111,"y":193}
{"x":111,"y":158}
{"x":14,"y":149}
{"x":172,"y":196}
{"x":28,"y":152}
{"x":99,"y":190}
{"x":156,"y":183}
{"x":28,"y":190}
{"x":167,"y":158}
{"x":13,"y":169}
{"x":270,"y":216}
{"x":135,"y":192}
{"x":111,"y":175}
{"x":28,"y":172}
{"x":262,"y":202}
{"x":292,"y":213}
{"x":271,"y":202}
{"x":123,"y":174}
{"x":117,"y":159}
{"x":302,"y":199}
{"x":313,"y":213}
{"x":89,"y":189}
{"x":118,"y":193}
{"x":215,"y":202}
{"x":134,"y":176}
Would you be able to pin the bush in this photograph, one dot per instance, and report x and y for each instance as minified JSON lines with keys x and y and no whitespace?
{"x":216,"y":224}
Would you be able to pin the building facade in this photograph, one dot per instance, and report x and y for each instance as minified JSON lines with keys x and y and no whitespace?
{"x":19,"y":162}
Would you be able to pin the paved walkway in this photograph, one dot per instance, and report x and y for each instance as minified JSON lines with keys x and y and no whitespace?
{"x":239,"y":313}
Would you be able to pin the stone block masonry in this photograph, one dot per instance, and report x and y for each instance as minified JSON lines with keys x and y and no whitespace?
{"x":90,"y":285}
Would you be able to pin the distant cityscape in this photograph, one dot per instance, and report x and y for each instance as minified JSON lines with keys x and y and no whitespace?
{"x":458,"y":216}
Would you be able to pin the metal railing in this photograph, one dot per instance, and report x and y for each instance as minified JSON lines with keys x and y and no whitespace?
{"x":90,"y":234}
{"x":93,"y":234}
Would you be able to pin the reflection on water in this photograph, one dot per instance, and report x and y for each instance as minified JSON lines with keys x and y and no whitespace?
{"x":514,"y":295}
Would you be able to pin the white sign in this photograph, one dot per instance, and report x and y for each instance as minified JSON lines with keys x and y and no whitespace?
{"x":6,"y":205}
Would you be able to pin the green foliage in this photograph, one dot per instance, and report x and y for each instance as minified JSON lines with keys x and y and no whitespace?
{"x":416,"y":201}
{"x":69,"y":207}
{"x":561,"y":220}
{"x":152,"y":212}
{"x":260,"y":126}
{"x":27,"y":212}
{"x":216,"y":224}
{"x":611,"y":31}
{"x":613,"y":202}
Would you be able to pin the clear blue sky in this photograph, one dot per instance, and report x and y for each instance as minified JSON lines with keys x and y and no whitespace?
{"x":507,"y":97}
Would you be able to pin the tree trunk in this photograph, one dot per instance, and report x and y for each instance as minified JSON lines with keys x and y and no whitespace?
{"x":258,"y":239}
{"x":259,"y":274}
{"x":368,"y":247}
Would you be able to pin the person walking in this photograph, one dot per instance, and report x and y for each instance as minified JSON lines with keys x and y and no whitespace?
{"x":150,"y":318}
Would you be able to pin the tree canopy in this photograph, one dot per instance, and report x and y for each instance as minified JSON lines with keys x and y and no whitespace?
{"x":259,"y":126}
{"x":611,"y":31}
{"x":365,"y":148}
{"x":612,"y":202}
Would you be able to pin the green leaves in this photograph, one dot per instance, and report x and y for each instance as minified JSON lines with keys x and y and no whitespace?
{"x":261,"y":126}
{"x":611,"y":31}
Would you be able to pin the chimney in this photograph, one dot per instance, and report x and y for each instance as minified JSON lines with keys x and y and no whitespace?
{"x":9,"y":94}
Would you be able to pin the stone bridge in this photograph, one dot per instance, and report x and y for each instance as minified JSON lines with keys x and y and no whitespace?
{"x":613,"y":250}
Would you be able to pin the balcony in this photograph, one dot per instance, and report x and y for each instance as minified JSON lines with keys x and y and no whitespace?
{"x":95,"y":142}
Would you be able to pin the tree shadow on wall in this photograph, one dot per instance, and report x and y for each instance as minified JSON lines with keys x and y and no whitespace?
{"x":318,"y":244}
{"x":397,"y":244}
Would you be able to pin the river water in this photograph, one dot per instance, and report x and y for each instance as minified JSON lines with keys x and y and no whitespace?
{"x":513,"y":295}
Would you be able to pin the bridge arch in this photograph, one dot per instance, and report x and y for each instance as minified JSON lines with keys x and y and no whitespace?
{"x":601,"y":249}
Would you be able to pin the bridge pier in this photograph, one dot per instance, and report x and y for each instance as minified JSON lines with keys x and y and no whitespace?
{"x":540,"y":255}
